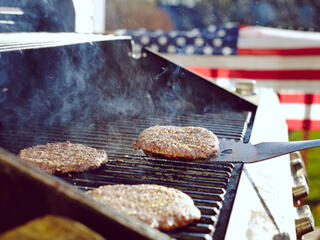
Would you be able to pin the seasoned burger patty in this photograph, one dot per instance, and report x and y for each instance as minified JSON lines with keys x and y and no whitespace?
{"x":63,"y":157}
{"x":178,"y":142}
{"x":158,"y":206}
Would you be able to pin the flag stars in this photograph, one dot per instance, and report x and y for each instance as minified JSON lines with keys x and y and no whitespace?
{"x":217,"y":42}
{"x":173,"y":34}
{"x":158,"y":32}
{"x":221,"y":33}
{"x":181,"y":41}
{"x":214,"y":40}
{"x":193,"y":33}
{"x":229,"y":25}
{"x":145,"y":39}
{"x":199,"y":41}
{"x":139,"y":32}
{"x":226,"y":51}
{"x":207,"y":50}
{"x":190,"y":50}
{"x":171,"y":49}
{"x":162,"y":40}
{"x":212,"y":28}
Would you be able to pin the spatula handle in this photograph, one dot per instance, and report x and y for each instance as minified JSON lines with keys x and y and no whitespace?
{"x":267,"y":150}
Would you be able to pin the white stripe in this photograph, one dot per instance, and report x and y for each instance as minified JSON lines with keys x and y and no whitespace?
{"x":277,"y":86}
{"x":300,"y":111}
{"x":246,"y":62}
{"x":257,"y":63}
{"x":293,"y":85}
{"x":264,"y":37}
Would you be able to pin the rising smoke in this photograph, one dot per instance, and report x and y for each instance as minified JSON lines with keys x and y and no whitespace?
{"x":83,"y":84}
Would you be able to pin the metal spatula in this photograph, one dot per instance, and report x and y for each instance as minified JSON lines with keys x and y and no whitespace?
{"x":233,"y":151}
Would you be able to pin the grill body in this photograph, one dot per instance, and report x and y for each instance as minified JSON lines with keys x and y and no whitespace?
{"x":107,"y":104}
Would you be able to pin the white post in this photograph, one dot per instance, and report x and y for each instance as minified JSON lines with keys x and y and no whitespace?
{"x":99,"y":16}
{"x":90,"y":16}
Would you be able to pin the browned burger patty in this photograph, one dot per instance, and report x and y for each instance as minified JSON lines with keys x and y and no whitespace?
{"x":63,"y":157}
{"x":178,"y":142}
{"x":158,"y":206}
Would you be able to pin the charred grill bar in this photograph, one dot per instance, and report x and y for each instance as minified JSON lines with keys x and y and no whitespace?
{"x":132,"y":95}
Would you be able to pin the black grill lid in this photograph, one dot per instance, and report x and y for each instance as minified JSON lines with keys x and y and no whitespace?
{"x":98,"y":80}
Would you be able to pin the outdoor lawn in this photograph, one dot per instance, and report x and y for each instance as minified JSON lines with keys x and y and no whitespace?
{"x":313,"y":170}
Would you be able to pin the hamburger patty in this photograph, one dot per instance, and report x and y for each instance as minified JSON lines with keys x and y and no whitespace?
{"x":63,"y":157}
{"x":178,"y":142}
{"x":158,"y":206}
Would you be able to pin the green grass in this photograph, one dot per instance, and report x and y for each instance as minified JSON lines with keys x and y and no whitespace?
{"x":313,"y":171}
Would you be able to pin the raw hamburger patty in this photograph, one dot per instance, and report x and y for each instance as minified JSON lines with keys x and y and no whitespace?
{"x":63,"y":157}
{"x":158,"y":206}
{"x":178,"y":142}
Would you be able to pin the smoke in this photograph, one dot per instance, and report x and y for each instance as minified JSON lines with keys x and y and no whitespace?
{"x":89,"y":83}
{"x":171,"y":97}
{"x":77,"y":84}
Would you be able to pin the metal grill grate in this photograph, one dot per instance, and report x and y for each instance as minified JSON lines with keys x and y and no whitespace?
{"x":206,"y":182}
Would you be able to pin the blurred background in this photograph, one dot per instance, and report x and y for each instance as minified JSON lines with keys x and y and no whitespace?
{"x":187,"y":15}
{"x":296,"y":48}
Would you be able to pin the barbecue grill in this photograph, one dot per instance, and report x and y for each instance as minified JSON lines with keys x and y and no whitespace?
{"x":92,"y":91}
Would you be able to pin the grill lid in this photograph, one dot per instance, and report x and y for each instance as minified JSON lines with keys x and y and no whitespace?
{"x":96,"y":94}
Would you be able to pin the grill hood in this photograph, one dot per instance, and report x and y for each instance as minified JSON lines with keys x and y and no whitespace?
{"x":55,"y":84}
{"x":95,"y":93}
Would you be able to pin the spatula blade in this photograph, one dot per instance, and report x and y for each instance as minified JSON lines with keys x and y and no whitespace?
{"x":236,"y":152}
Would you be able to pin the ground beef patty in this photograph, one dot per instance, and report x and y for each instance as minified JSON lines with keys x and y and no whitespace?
{"x":158,"y":206}
{"x":63,"y":157}
{"x":178,"y":142}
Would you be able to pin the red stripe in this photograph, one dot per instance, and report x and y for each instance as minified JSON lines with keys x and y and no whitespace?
{"x":303,"y":124}
{"x":241,"y":26}
{"x":279,"y":52}
{"x":301,"y":74}
{"x":305,"y":98}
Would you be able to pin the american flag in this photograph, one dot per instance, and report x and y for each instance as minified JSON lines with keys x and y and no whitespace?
{"x":214,"y":40}
{"x":286,"y":60}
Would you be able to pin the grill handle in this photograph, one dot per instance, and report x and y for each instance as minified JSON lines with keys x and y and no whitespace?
{"x":274,"y":149}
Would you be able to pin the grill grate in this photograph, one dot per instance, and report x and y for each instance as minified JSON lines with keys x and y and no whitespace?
{"x":206,"y":182}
